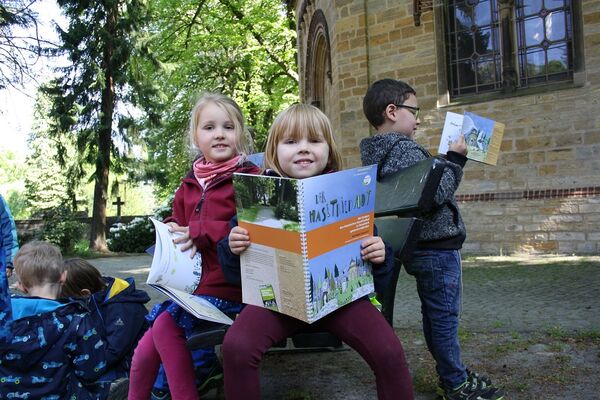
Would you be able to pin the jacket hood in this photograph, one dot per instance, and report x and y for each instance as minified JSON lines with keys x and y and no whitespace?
{"x":24,"y":307}
{"x":128,"y":294}
{"x":373,"y":149}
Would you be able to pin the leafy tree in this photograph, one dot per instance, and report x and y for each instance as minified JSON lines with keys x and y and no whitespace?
{"x":92,"y":94}
{"x":20,"y":43}
{"x":12,"y":172}
{"x":244,"y":49}
{"x":47,"y":185}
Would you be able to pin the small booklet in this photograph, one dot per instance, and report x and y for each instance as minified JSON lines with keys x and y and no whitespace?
{"x":304,"y":260}
{"x":482,"y":135}
{"x":175,"y":274}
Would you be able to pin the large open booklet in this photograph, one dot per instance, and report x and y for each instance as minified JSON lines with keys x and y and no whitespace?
{"x":482,"y":135}
{"x":176,"y":274}
{"x":304,"y":259}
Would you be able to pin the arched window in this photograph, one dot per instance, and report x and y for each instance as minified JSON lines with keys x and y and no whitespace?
{"x":318,"y":62}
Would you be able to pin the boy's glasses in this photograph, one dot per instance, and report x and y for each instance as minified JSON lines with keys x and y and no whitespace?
{"x":414,"y":110}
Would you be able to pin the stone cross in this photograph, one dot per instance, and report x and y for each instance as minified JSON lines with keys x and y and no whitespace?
{"x":118,"y":203}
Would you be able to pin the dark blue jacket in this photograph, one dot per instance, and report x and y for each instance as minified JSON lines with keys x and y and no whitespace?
{"x":122,"y":320}
{"x":54,"y":352}
{"x":8,"y":233}
{"x":230,"y":263}
{"x":5,"y":308}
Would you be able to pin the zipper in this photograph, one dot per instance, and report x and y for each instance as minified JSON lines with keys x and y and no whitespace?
{"x":199,"y":205}
{"x":210,"y":185}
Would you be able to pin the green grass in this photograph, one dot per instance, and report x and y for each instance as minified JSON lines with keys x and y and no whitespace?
{"x":425,"y":379}
{"x":506,"y":348}
{"x":587,"y":335}
{"x":464,"y":336}
{"x":248,"y":214}
{"x":497,"y":325}
{"x":291,"y":226}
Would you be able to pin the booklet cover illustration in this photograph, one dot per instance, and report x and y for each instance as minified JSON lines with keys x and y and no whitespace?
{"x":482,"y":135}
{"x":174,"y":273}
{"x":304,"y":260}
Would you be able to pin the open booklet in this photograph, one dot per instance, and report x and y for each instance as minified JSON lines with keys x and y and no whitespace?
{"x":304,"y":260}
{"x":482,"y":135}
{"x":175,"y":274}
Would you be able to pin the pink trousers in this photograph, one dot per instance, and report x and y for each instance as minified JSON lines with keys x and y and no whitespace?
{"x":359,"y":324}
{"x":164,"y":342}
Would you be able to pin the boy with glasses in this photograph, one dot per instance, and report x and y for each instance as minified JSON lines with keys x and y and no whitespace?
{"x":391,"y":107}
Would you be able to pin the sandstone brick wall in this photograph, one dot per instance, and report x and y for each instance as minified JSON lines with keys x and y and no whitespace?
{"x":544,"y":194}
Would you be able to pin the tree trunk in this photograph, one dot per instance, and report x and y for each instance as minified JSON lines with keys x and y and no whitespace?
{"x":98,"y":234}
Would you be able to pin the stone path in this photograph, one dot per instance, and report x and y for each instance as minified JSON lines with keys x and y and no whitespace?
{"x":516,"y":298}
{"x":559,"y":294}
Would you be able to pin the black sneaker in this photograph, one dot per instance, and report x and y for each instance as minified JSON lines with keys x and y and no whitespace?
{"x":472,"y":391}
{"x":481,"y":382}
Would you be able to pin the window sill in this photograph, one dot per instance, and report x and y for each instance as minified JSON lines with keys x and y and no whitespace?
{"x":485,"y":97}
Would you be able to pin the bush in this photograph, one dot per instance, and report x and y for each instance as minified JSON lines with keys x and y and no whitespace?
{"x":137,"y":235}
{"x":61,"y":228}
{"x":134,"y":237}
{"x":284,"y":210}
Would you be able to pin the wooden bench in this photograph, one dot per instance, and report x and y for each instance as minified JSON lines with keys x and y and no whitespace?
{"x":400,"y":199}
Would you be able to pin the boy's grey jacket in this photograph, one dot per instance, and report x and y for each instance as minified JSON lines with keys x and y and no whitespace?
{"x":443,"y":227}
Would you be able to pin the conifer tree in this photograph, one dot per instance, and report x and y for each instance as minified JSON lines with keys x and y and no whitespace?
{"x":93,"y":92}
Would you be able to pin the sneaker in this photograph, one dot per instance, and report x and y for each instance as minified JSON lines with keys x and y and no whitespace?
{"x":471,"y":391}
{"x":481,"y":381}
{"x":158,"y":394}
{"x":214,"y":379}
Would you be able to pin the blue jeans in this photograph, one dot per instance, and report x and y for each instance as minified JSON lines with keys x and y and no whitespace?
{"x":438,"y":275}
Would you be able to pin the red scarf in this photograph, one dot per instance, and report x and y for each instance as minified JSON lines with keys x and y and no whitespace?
{"x":205,"y":171}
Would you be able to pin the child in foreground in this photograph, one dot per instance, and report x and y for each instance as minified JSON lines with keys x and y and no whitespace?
{"x":301,"y":145}
{"x":391,"y":107}
{"x":54,"y":350}
{"x":118,"y":309}
{"x":202,"y":208}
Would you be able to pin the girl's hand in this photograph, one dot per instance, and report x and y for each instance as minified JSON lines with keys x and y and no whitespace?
{"x":459,"y":146}
{"x":373,"y":250}
{"x":184,"y":238}
{"x":238,"y":240}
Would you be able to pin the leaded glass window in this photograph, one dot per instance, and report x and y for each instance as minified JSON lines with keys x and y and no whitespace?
{"x":545,"y":40}
{"x":495,"y":44}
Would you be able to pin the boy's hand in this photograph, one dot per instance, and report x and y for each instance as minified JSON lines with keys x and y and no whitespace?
{"x":459,"y":146}
{"x":373,"y":250}
{"x":184,"y":239}
{"x":238,"y":240}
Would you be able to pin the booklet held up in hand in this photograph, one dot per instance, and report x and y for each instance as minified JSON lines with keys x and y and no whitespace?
{"x":483,"y":136}
{"x":305,"y":260}
{"x":176,"y":274}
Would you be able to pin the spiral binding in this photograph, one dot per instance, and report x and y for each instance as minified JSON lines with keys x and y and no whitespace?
{"x":303,"y":247}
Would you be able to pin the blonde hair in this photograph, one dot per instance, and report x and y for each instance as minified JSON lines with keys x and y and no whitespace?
{"x":228,"y":105}
{"x":38,"y":263}
{"x":296,"y":122}
{"x":81,"y":275}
